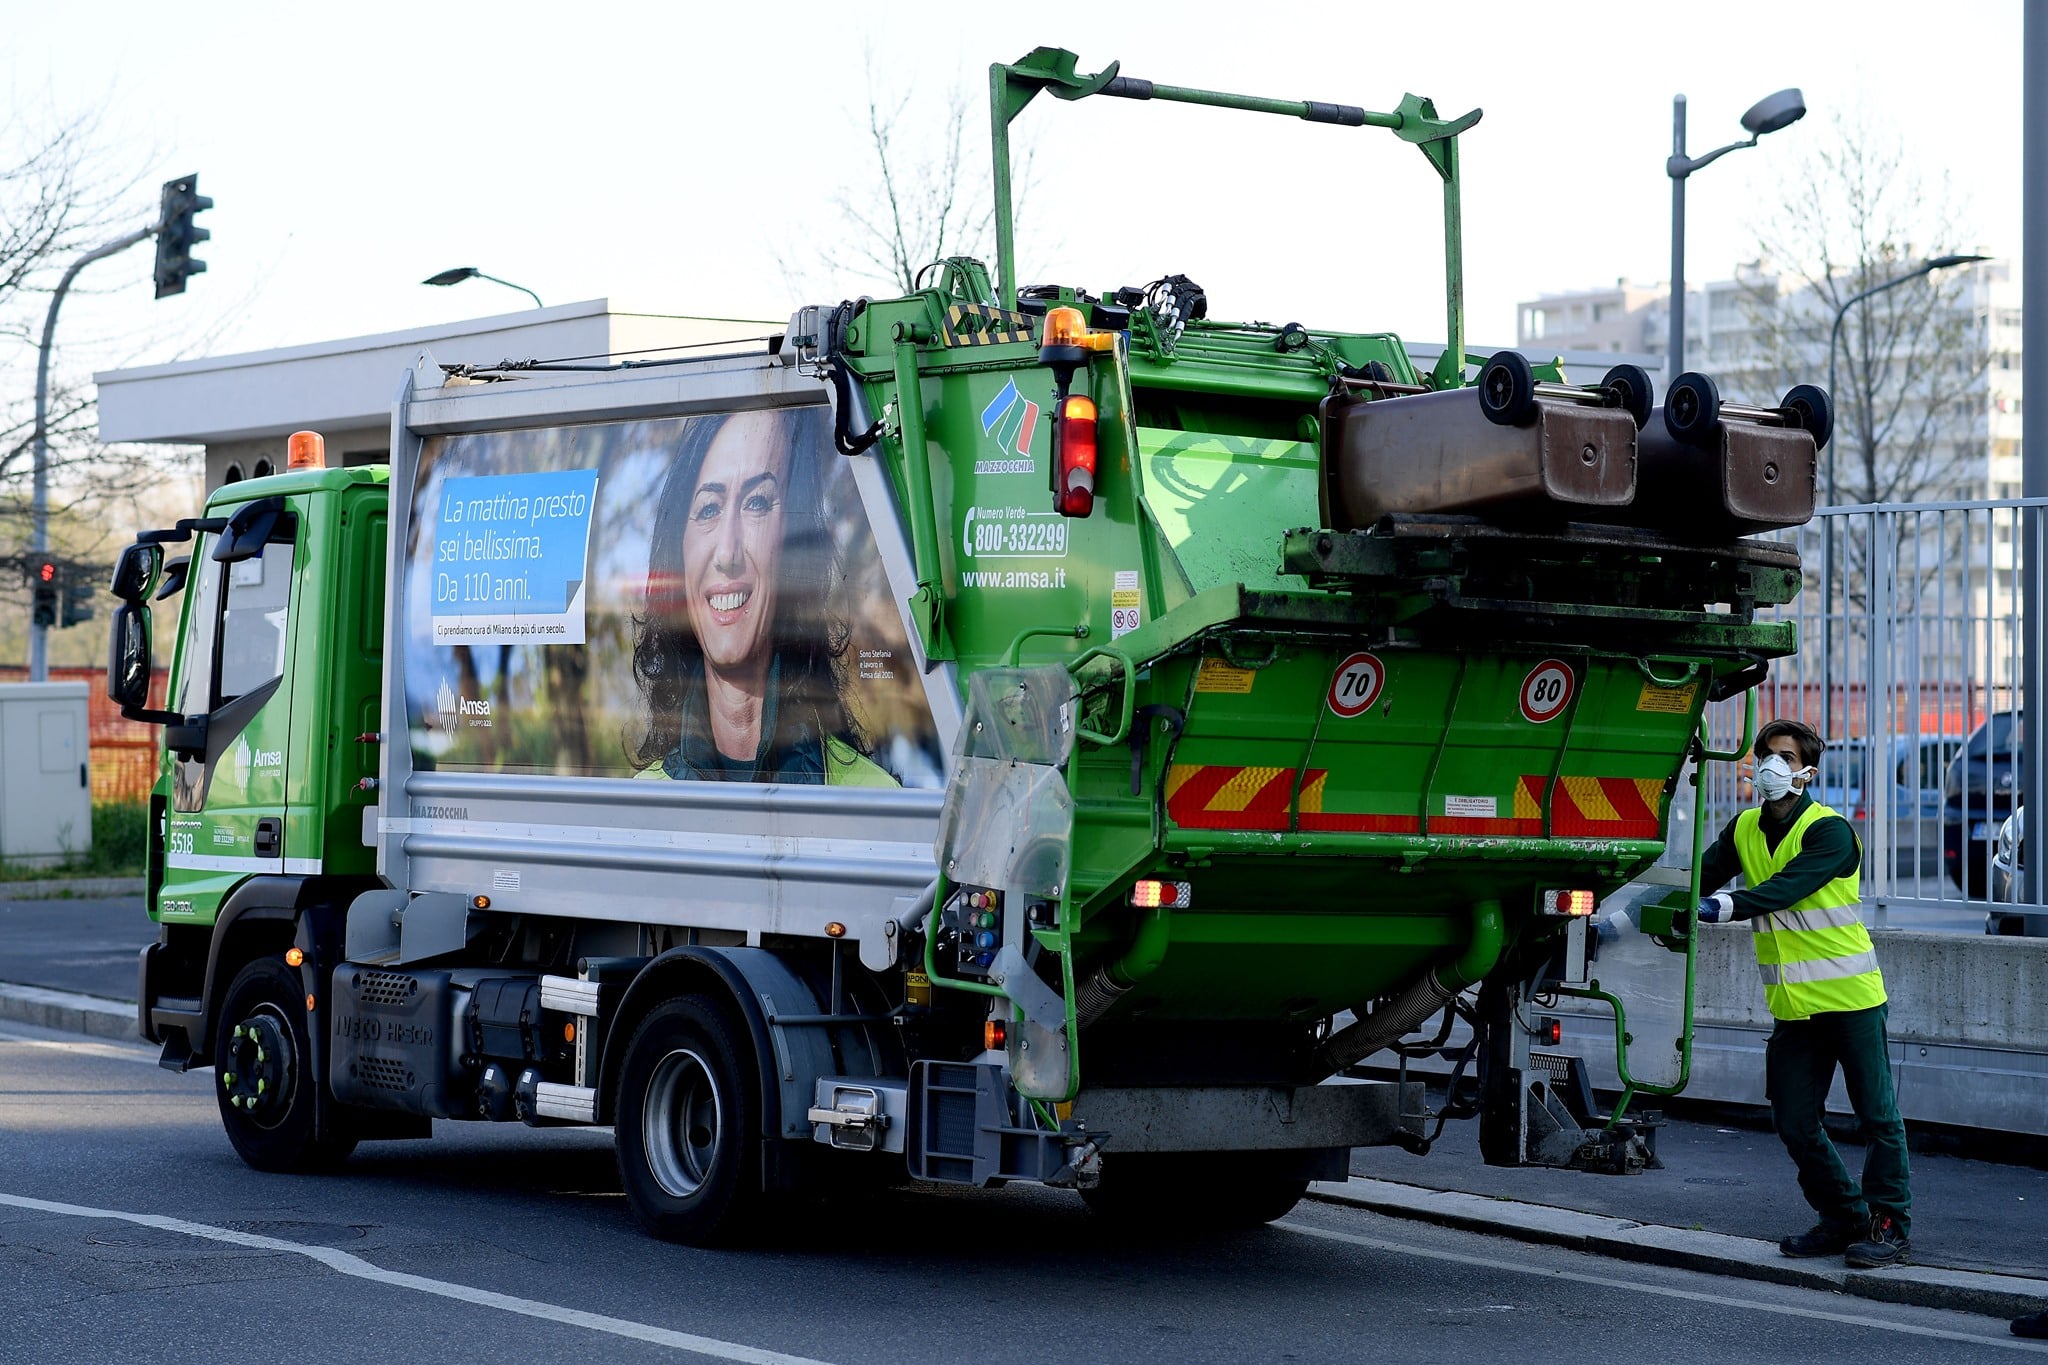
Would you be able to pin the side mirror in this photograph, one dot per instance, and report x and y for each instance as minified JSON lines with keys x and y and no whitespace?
{"x":253,"y":526}
{"x":128,"y":678}
{"x":135,"y":572}
{"x":128,"y":649}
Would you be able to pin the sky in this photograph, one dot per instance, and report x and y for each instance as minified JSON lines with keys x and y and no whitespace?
{"x":672,"y":158}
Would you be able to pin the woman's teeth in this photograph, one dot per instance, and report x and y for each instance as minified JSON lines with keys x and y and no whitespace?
{"x":728,"y":601}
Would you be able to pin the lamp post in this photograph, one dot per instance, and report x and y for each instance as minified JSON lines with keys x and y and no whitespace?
{"x":470,"y":272}
{"x":1767,"y":115}
{"x":1827,"y":540}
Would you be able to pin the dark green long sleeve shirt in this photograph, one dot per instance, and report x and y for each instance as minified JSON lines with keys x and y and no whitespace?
{"x":1828,"y":850}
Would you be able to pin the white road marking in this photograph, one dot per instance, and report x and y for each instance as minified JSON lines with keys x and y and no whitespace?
{"x":112,"y":1051}
{"x":1665,"y":1291}
{"x":343,"y":1263}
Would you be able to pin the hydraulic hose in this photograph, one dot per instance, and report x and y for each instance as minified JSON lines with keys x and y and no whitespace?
{"x":1408,"y":1011}
{"x":1113,"y":980}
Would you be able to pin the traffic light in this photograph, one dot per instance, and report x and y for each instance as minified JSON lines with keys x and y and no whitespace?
{"x":44,"y":581}
{"x":176,"y":235}
{"x":78,"y":594}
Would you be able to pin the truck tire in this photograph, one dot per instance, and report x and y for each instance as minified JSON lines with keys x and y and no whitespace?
{"x":1192,"y":1191}
{"x":688,"y":1125}
{"x":264,"y":1085}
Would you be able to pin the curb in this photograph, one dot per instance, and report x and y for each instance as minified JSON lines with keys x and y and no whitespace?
{"x":1921,"y":1286}
{"x":88,"y":1014}
{"x":73,"y":888}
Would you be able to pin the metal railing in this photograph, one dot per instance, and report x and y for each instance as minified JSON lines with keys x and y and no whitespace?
{"x":1911,"y":664}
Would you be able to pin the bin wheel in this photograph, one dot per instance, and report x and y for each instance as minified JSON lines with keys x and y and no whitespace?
{"x":265,"y":1086}
{"x":1631,"y":384}
{"x":688,"y":1125}
{"x":1507,"y":389}
{"x":1692,"y":408}
{"x":1814,"y":410}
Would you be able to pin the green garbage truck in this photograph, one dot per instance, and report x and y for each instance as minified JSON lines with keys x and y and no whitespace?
{"x":1006,"y":732}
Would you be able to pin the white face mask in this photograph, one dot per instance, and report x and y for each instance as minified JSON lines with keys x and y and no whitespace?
{"x":1776,"y":777}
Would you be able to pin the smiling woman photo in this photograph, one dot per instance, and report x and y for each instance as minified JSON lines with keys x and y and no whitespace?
{"x":737,"y":654}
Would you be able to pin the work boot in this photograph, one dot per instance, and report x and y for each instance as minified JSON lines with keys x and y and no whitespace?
{"x":1885,"y":1245}
{"x":2032,"y":1325}
{"x":1822,"y":1239}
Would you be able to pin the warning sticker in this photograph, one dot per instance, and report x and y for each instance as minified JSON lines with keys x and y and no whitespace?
{"x":1356,"y":685}
{"x":1215,"y":675}
{"x":1670,"y":701}
{"x":1125,"y":614}
{"x":1546,"y":691}
{"x":1479,"y":807}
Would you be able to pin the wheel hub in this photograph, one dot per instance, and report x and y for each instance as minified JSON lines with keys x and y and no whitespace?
{"x":258,"y":1070}
{"x":681,"y":1125}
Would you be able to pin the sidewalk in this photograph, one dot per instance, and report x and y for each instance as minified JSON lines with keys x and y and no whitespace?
{"x":1724,"y":1197}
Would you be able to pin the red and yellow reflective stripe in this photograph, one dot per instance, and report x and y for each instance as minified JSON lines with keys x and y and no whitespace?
{"x":1230,"y":796}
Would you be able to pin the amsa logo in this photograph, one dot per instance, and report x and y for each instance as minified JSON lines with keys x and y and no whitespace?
{"x":453,"y":709}
{"x":253,"y":761}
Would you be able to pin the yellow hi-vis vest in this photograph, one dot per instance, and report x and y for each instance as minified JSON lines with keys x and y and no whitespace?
{"x":1815,"y":956}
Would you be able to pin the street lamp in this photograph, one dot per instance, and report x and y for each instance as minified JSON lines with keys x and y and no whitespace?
{"x":470,"y":272}
{"x":1827,"y":536}
{"x":1767,"y":115}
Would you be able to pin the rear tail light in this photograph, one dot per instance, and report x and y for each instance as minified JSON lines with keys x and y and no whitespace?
{"x":1570,"y":904}
{"x":1155,"y":895}
{"x":1074,"y":440}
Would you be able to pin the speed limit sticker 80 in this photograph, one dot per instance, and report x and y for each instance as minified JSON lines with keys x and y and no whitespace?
{"x":1546,"y":691}
{"x":1356,"y":685}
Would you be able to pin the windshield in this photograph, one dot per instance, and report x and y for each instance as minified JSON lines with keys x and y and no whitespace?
{"x":1842,"y":766}
{"x":1996,"y":735}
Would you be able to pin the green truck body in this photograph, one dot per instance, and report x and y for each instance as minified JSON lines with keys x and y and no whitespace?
{"x":1091,"y":826}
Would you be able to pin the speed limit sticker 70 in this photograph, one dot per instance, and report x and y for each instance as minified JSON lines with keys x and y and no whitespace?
{"x":1357,"y":685}
{"x":1546,"y":691}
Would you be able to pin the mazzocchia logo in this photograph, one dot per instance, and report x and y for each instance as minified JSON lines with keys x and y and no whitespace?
{"x":1012,"y":419}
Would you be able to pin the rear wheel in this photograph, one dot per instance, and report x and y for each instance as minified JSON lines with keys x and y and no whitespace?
{"x":1191,"y":1191}
{"x":265,"y":1087}
{"x":688,"y":1124}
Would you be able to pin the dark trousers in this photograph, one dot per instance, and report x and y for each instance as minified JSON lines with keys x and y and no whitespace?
{"x":1799,"y":1066}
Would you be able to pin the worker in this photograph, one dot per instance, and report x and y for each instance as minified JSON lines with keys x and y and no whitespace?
{"x":1801,"y":867}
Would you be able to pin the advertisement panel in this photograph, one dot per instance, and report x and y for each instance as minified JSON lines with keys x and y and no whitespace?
{"x":689,"y":598}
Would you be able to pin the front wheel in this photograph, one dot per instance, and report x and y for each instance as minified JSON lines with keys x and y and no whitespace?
{"x":265,"y":1082}
{"x":688,"y":1125}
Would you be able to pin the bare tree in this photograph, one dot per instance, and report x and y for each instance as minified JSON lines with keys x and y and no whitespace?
{"x":63,"y":191}
{"x":1911,"y":361}
{"x":923,"y":196}
{"x":61,"y":194}
{"x":1912,"y":407}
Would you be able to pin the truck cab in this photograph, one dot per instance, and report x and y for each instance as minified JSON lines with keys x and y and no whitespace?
{"x":270,"y":755}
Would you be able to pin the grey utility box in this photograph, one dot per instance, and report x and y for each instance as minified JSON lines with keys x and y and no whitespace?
{"x":45,"y":787}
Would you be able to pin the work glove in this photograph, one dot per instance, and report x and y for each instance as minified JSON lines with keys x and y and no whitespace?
{"x":1718,"y":908}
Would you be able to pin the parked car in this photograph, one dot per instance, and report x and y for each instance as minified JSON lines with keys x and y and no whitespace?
{"x":2008,"y":866}
{"x":1916,"y":767}
{"x":1977,"y":795}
